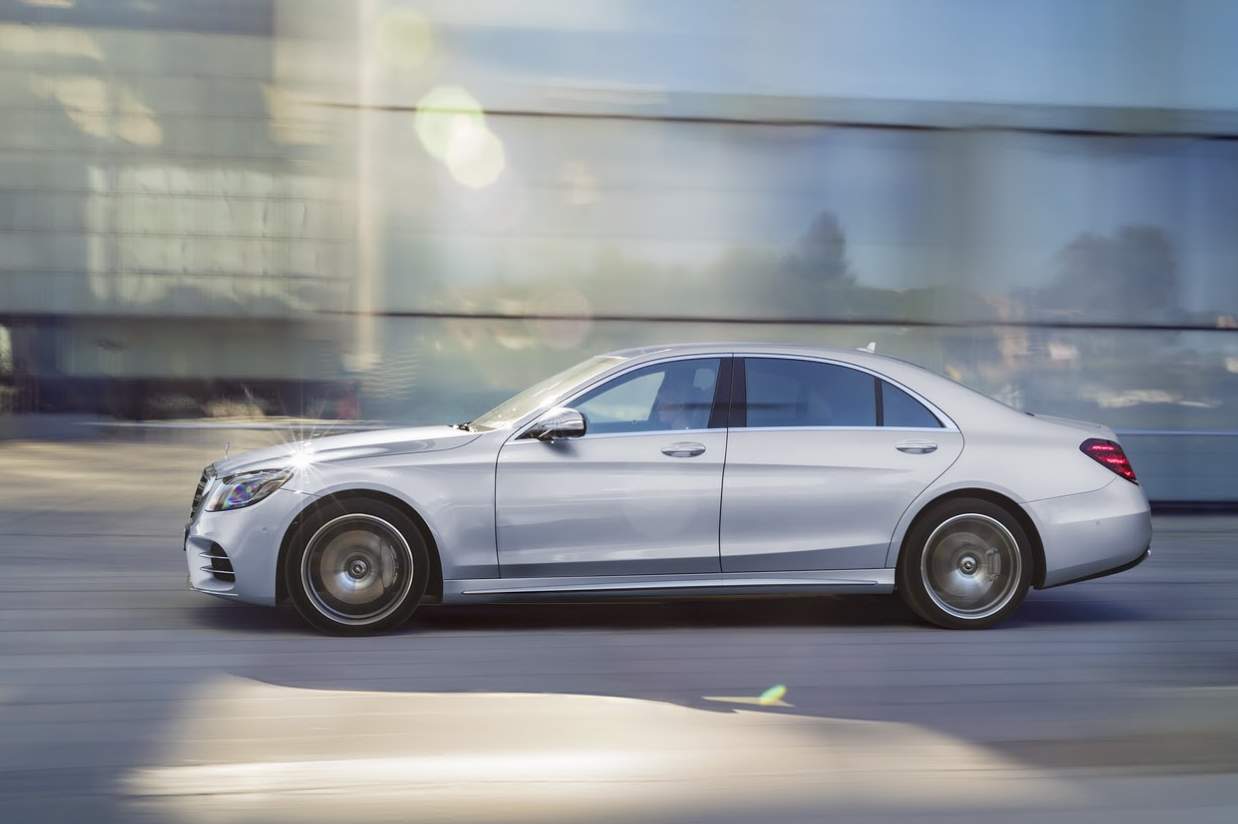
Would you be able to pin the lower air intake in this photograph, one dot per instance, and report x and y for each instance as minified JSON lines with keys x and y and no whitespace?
{"x":220,"y":565}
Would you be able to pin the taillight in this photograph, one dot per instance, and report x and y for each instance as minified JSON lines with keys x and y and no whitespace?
{"x":1109,"y":455}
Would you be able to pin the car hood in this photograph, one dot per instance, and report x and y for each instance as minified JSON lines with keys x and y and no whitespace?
{"x":352,"y":445}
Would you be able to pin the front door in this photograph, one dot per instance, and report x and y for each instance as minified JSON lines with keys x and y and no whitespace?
{"x":638,"y":494}
{"x":822,"y":461}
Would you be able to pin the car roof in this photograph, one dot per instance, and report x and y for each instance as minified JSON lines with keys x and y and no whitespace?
{"x":861,"y":357}
{"x":715,"y":347}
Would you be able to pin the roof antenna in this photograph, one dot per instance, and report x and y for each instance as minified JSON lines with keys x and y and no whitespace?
{"x":871,"y":348}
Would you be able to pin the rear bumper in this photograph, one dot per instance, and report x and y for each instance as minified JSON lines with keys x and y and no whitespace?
{"x":1105,"y":572}
{"x":1093,"y":533}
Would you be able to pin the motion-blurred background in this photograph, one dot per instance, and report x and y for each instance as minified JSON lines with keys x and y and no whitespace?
{"x":405,"y":211}
{"x":238,"y":221}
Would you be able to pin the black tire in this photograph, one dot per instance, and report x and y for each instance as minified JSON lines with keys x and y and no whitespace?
{"x":965,"y":564}
{"x":356,"y":566}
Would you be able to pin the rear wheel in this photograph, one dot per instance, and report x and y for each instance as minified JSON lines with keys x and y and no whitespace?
{"x":966,"y":564}
{"x":357,"y":566}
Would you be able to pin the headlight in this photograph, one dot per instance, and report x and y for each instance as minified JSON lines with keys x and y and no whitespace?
{"x":247,"y":488}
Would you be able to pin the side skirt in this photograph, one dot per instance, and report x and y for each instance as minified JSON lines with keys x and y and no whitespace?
{"x":841,"y":581}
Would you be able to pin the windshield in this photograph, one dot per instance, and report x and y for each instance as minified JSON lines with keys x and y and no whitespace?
{"x":544,"y":393}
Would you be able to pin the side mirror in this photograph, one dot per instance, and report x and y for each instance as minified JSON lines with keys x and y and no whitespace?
{"x":559,"y":422}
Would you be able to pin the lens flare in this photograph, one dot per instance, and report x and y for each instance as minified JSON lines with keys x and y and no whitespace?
{"x":404,"y":39}
{"x":301,"y":458}
{"x":443,"y":113}
{"x":772,"y":695}
{"x":452,"y":127}
{"x":475,"y":157}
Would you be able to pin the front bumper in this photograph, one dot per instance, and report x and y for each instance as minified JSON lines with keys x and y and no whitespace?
{"x":1093,"y":533}
{"x":249,"y":538}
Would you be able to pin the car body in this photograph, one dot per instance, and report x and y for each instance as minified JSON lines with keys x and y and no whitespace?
{"x":697,"y":469}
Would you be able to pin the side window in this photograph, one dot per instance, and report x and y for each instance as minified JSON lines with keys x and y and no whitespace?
{"x":784,"y":392}
{"x":900,"y":409}
{"x":675,"y":395}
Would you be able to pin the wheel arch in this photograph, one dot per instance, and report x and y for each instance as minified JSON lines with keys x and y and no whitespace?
{"x":997,"y":498}
{"x":434,"y":587}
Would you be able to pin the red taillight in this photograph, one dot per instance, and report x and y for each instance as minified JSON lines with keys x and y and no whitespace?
{"x":1109,"y":455}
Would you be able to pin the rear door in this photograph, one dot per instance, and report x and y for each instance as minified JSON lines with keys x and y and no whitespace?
{"x":822,"y":460}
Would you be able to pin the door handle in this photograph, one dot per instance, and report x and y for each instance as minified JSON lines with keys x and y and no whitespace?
{"x":916,"y":447}
{"x":684,"y":449}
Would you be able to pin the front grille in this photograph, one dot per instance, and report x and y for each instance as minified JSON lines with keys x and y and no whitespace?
{"x":207,"y":474}
{"x":221,"y":564}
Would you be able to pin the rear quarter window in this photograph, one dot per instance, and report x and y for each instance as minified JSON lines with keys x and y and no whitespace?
{"x":900,"y":409}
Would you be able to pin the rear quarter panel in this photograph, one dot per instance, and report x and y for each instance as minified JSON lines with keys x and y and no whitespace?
{"x":1005,"y":451}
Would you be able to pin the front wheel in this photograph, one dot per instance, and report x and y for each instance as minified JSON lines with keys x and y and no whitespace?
{"x":356,"y":567}
{"x":966,"y":564}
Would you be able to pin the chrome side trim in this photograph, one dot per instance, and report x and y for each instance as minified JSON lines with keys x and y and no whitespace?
{"x":925,"y":429}
{"x":948,"y":424}
{"x":822,"y":578}
{"x":1177,"y":433}
{"x":675,"y":433}
{"x":597,"y":436}
{"x":858,"y":580}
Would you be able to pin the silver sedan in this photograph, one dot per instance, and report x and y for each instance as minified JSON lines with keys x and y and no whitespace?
{"x":695,"y":470}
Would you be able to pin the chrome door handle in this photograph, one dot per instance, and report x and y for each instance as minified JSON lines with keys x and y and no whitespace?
{"x":916,"y":447}
{"x":684,"y":449}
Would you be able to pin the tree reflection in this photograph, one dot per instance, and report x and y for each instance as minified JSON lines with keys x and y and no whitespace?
{"x":820,"y":256}
{"x":1131,"y":275}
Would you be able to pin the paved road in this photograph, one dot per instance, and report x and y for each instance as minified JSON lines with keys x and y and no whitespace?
{"x":125,"y":697}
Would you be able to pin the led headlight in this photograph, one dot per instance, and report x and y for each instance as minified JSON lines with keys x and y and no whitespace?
{"x":247,"y":488}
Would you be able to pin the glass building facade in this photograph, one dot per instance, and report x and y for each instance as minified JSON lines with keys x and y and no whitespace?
{"x":407,"y":211}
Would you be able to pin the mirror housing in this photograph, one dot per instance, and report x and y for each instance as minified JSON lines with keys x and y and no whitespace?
{"x":559,"y":422}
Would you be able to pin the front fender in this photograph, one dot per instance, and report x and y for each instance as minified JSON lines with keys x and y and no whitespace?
{"x":451,"y":491}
